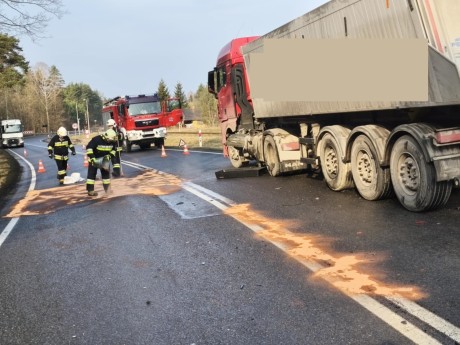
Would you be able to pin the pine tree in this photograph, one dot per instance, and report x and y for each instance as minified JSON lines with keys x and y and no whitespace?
{"x":179,"y":93}
{"x":163,"y":92}
{"x":13,"y":66}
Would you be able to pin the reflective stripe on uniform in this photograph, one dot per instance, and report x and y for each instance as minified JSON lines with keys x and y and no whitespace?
{"x":89,"y":181}
{"x":61,"y":158}
{"x":105,"y":148}
{"x":105,"y":181}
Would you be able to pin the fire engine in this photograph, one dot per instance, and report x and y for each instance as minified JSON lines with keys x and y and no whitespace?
{"x":142,"y":119}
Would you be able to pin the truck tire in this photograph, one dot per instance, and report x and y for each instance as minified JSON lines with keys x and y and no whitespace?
{"x":159,"y":143}
{"x":336,"y":173}
{"x":371,"y":181}
{"x":414,"y":179}
{"x":271,"y":158}
{"x":144,"y":146}
{"x":127,"y":145}
{"x":235,"y":157}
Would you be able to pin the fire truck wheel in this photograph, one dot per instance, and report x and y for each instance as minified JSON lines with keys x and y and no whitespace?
{"x":159,"y":143}
{"x":127,"y":145}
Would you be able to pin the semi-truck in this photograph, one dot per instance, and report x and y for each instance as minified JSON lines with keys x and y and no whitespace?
{"x":382,"y":148}
{"x":11,"y":133}
{"x":142,"y":119}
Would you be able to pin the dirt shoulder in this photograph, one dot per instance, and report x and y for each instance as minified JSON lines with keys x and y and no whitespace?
{"x":9,"y":175}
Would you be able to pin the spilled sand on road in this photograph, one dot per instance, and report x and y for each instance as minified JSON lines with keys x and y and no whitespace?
{"x":50,"y":200}
{"x":345,"y":271}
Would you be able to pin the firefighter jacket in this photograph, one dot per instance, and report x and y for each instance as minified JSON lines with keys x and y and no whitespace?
{"x":60,"y":147}
{"x":99,"y":146}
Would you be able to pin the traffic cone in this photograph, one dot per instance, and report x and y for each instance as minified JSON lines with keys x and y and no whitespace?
{"x":41,"y":168}
{"x":68,"y":166}
{"x":25,"y":153}
{"x":85,"y":163}
{"x":186,"y":150}
{"x":163,"y":152}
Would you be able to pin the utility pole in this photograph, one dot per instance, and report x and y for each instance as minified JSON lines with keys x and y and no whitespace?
{"x":87,"y":115}
{"x":78,"y":119}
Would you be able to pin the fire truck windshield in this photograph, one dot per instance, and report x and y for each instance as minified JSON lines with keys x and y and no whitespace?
{"x":144,"y":108}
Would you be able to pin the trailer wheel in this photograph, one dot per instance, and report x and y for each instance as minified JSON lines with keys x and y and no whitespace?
{"x":414,"y":179}
{"x":235,"y":157}
{"x":371,"y":181}
{"x":272,"y":160}
{"x":336,"y":173}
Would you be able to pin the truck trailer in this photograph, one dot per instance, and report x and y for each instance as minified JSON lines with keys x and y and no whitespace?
{"x":11,"y":133}
{"x":409,"y":147}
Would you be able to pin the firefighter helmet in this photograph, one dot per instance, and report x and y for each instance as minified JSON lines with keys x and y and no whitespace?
{"x":110,"y":135}
{"x":62,"y":132}
{"x":111,"y":122}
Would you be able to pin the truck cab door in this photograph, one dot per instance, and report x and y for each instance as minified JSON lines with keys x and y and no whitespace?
{"x":225,"y":96}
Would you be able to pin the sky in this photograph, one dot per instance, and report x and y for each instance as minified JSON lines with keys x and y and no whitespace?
{"x":126,"y":47}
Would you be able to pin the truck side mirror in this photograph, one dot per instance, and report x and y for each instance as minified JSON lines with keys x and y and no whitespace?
{"x":212,"y":83}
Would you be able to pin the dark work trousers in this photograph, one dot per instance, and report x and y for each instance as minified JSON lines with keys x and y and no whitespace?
{"x":91,"y":178}
{"x":116,"y":163}
{"x":62,"y":169}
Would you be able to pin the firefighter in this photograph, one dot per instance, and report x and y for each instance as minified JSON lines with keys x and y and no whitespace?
{"x":100,"y":151}
{"x":116,"y":160}
{"x":58,"y":148}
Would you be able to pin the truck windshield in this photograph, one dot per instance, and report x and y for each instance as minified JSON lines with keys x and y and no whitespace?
{"x":144,"y":108}
{"x":11,"y":128}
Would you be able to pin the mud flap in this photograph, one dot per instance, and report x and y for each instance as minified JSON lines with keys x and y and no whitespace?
{"x":294,"y":165}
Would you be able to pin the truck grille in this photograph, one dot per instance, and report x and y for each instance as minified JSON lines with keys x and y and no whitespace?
{"x":13,"y":142}
{"x":147,"y":123}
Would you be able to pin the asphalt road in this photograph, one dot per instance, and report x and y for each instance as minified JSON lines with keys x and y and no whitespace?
{"x":176,"y":256}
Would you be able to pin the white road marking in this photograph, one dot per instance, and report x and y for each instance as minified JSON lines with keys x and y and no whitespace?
{"x":12,"y":223}
{"x":394,"y":320}
{"x":428,"y":317}
{"x":8,"y":230}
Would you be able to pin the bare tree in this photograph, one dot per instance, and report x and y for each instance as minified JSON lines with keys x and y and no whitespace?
{"x":48,"y":85}
{"x":28,"y":17}
{"x":206,"y":104}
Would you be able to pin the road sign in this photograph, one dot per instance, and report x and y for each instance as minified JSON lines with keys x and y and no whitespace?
{"x":74,"y":125}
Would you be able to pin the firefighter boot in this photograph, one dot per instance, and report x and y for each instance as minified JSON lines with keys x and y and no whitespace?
{"x":107,"y":189}
{"x":92,"y":193}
